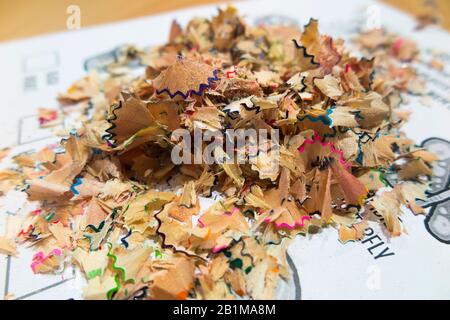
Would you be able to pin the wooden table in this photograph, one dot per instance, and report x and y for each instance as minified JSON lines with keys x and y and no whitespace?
{"x":24,"y":18}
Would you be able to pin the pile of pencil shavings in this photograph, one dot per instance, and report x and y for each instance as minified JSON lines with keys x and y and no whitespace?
{"x":116,"y":205}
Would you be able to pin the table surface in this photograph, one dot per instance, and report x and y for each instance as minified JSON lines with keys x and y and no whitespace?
{"x":24,"y":18}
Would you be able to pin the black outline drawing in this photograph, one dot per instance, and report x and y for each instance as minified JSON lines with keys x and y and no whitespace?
{"x":438,"y":197}
{"x":295,"y":277}
{"x":8,"y":258}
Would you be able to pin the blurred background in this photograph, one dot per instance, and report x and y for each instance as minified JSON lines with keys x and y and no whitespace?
{"x":25,"y":18}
